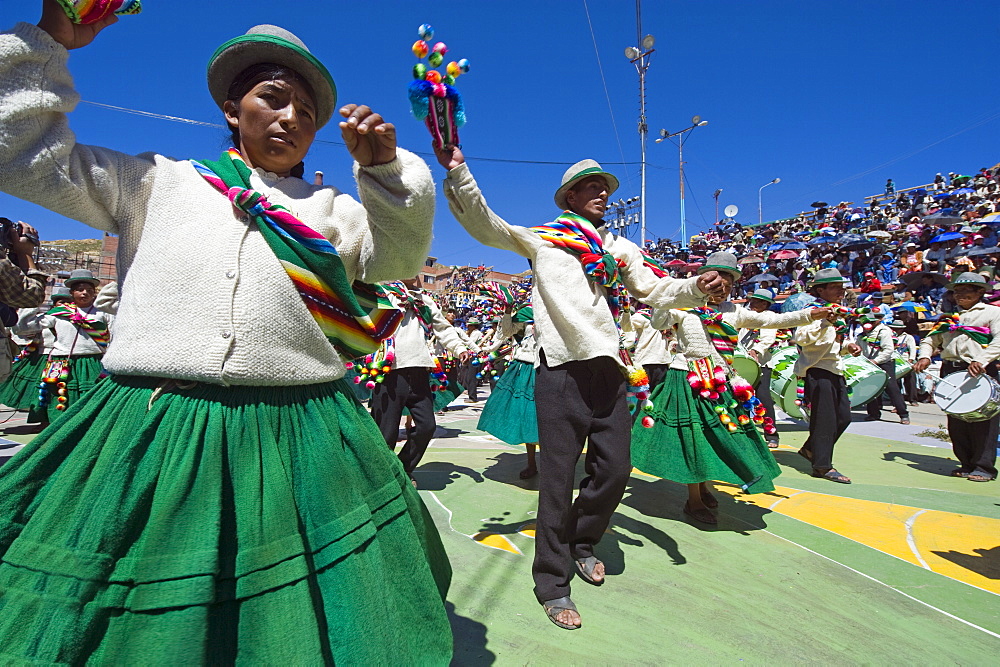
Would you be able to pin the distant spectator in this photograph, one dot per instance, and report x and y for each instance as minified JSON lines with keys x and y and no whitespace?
{"x":890,"y":188}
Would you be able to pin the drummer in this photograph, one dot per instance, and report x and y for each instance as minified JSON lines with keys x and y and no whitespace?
{"x":972,"y":344}
{"x":759,"y":343}
{"x":878,"y":345}
{"x":821,"y":345}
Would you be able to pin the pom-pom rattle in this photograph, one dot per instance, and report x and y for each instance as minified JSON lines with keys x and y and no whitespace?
{"x":433,"y":97}
{"x":92,"y":11}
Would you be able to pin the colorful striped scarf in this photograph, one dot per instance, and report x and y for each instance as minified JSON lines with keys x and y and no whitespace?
{"x":92,"y":11}
{"x":413,"y":303}
{"x":722,"y":334}
{"x":96,"y":329}
{"x":354,"y":318}
{"x":494,"y":290}
{"x":950,"y":322}
{"x":653,"y":265}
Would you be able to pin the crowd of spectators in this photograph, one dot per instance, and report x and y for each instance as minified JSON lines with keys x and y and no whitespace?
{"x":899,"y":248}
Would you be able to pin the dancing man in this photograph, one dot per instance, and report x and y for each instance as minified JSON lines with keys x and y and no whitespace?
{"x":580,"y":270}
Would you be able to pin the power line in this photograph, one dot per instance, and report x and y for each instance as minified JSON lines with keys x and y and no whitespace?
{"x":604,"y":81}
{"x":188,"y":121}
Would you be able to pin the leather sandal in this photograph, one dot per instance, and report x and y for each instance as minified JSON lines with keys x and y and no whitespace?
{"x":832,"y":475}
{"x":701,"y":514}
{"x":555,"y":607}
{"x":585,"y":568}
{"x":711,"y":502}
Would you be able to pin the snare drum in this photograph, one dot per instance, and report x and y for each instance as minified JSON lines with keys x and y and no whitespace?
{"x":746,"y":367}
{"x":864,"y":379}
{"x":783,"y":381}
{"x":903,"y":367}
{"x":967,"y":398}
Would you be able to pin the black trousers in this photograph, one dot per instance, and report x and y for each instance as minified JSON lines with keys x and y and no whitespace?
{"x":829,"y":414}
{"x":910,"y":387}
{"x":974,"y":443}
{"x":409,"y":388}
{"x":467,"y":376}
{"x":892,"y":389}
{"x":577,"y":402}
{"x":763,"y":392}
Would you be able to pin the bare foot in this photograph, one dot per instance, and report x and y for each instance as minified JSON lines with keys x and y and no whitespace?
{"x":568,"y":617}
{"x":528,"y":472}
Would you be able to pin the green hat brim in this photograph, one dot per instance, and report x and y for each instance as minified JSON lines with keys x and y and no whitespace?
{"x":239,"y":53}
{"x":93,"y":281}
{"x":726,"y":269}
{"x":762,"y":298}
{"x":560,"y":196}
{"x":829,"y":281}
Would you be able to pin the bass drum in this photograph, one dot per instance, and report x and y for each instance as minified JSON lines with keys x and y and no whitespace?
{"x":903,"y":367}
{"x":783,"y":381}
{"x":967,"y":398}
{"x":746,"y":367}
{"x":864,"y":379}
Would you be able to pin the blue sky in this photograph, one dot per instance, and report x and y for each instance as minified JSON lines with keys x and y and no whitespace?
{"x":820,"y":94}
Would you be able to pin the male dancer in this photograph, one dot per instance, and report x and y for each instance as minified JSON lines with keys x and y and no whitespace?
{"x":821,"y":344}
{"x":971,"y":344}
{"x":878,"y":345}
{"x":579,"y":268}
{"x":408,"y":383}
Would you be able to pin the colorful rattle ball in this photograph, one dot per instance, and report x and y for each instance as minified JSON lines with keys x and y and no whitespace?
{"x":439,"y":90}
{"x":463,"y":64}
{"x":425,"y":31}
{"x":419,"y":70}
{"x":420,"y":48}
{"x":433,"y":76}
{"x":440,"y":48}
{"x":435,"y":59}
{"x":454,"y":71}
{"x":450,"y":80}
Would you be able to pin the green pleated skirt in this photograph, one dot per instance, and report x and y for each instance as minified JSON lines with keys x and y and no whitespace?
{"x":212,"y":525}
{"x":688,"y":444}
{"x":84,"y":372}
{"x":20,"y":390}
{"x":444,"y":397}
{"x":509,"y":413}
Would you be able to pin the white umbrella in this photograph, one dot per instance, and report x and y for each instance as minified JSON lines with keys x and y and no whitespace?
{"x":878,"y":233}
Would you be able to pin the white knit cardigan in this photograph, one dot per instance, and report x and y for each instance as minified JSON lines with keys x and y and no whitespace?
{"x":202,"y":295}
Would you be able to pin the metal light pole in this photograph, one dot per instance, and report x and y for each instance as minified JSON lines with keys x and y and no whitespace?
{"x":716,"y":195}
{"x":641,"y":58}
{"x":760,"y":208}
{"x":696,"y":121}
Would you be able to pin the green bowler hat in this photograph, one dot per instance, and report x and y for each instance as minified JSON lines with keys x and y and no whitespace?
{"x":722,"y":261}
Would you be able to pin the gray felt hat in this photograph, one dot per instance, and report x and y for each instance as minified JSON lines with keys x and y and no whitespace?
{"x":61,"y":293}
{"x":271,"y":44}
{"x":578,"y":172}
{"x":968,"y":278}
{"x":827,"y":277}
{"x":763,"y":295}
{"x":721,"y":261}
{"x":81,"y":276}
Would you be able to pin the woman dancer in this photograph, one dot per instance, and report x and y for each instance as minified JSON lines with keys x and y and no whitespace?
{"x":184,"y":510}
{"x":702,"y":429}
{"x":509,"y":413}
{"x":20,"y":390}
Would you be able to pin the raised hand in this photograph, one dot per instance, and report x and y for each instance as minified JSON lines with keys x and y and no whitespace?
{"x":369,"y":138}
{"x":71,"y":35}
{"x":449,"y":156}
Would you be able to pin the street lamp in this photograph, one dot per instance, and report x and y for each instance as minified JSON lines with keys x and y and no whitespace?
{"x":760,"y":210}
{"x":696,"y":121}
{"x":641,"y":58}
{"x":716,"y":196}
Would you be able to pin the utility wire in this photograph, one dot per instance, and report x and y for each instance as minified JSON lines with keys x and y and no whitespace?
{"x":188,"y":121}
{"x":611,"y":108}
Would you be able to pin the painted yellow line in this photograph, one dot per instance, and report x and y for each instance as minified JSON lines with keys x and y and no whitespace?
{"x":957,"y":546}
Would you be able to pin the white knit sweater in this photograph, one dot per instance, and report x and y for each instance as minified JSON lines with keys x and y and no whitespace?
{"x":881,"y":353}
{"x":693,"y":341}
{"x":412,"y":350}
{"x":650,"y":342}
{"x":954,"y":346}
{"x":202,"y":295}
{"x":69,"y":340}
{"x":572,"y":319}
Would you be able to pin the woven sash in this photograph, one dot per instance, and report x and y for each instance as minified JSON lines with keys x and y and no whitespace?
{"x":96,"y":329}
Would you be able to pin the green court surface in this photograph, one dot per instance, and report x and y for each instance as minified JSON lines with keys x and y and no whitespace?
{"x":901,"y":567}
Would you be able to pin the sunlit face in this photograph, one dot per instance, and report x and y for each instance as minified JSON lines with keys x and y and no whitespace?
{"x":83,"y":294}
{"x":589,"y":198}
{"x":831,"y":292}
{"x":277,"y":124}
{"x":758,"y":305}
{"x":966,"y":296}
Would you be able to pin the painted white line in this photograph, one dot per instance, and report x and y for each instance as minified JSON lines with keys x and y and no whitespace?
{"x":781,"y":500}
{"x":912,"y":543}
{"x":867,"y":576}
{"x":434,"y":496}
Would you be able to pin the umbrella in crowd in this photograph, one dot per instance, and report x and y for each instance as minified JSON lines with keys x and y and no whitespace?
{"x":785,"y":254}
{"x":991,"y":219}
{"x":958,"y":180}
{"x":676,"y":262}
{"x":912,"y":280}
{"x":821,"y":240}
{"x":948,"y":236}
{"x":789,"y":245}
{"x":878,"y":233}
{"x":797,"y":302}
{"x":818,"y":204}
{"x":762,"y":277}
{"x":858,"y":245}
{"x":980,"y":252}
{"x":844,"y":239}
{"x":752,"y":259}
{"x":962,"y":191}
{"x":911,"y":306}
{"x":945,"y":217}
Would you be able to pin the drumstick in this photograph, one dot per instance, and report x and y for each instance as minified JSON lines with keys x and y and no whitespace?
{"x":937,"y":379}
